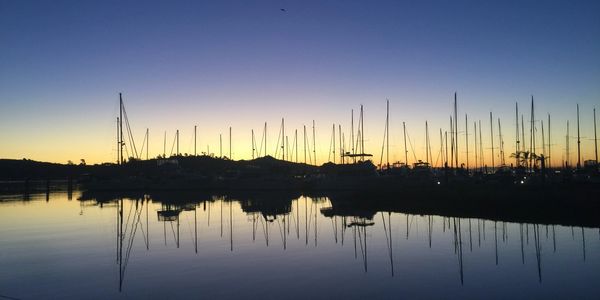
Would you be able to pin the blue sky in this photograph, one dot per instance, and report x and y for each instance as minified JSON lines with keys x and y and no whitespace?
{"x":241,"y":63}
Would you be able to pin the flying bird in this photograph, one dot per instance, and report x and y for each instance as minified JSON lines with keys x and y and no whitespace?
{"x":283,"y":9}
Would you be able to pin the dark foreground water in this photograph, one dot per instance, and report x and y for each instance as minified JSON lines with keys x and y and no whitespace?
{"x":58,"y":246}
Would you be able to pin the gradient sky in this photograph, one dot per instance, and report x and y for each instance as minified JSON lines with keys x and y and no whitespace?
{"x":241,"y":63}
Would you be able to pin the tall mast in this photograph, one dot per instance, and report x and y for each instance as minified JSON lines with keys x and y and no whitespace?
{"x":296,"y":143}
{"x":362,"y":132}
{"x":352,"y":133}
{"x":446,"y":142}
{"x":121,"y":142}
{"x":481,"y":157}
{"x":517,"y":142}
{"x":165,"y":145}
{"x":501,"y":143}
{"x":253,"y":143}
{"x":387,"y":129}
{"x":567,"y":142}
{"x":492,"y":139}
{"x":333,"y":140}
{"x":532,"y":133}
{"x":451,"y":142}
{"x":523,"y":147}
{"x":467,"y":139}
{"x":195,"y":152}
{"x":441,"y":148}
{"x":549,"y":143}
{"x":282,"y":139}
{"x":475,"y":145}
{"x":543,"y":139}
{"x":405,"y":149}
{"x":426,"y":142}
{"x":314,"y":143}
{"x":118,"y":143}
{"x":595,"y":138}
{"x":230,"y":154}
{"x":456,"y":129}
{"x":266,"y":139}
{"x":578,"y":141}
{"x":341,"y":143}
{"x":177,"y":136}
{"x":304,"y":144}
{"x":220,"y":145}
{"x":147,"y":142}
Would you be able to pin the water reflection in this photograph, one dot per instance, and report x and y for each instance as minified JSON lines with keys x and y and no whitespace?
{"x":376,"y":240}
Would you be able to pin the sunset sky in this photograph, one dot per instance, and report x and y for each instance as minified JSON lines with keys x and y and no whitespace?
{"x":242,"y":63}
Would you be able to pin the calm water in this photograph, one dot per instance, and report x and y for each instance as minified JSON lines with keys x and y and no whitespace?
{"x":58,"y":246}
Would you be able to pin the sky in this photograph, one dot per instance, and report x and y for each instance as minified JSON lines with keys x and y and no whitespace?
{"x":238,"y":64}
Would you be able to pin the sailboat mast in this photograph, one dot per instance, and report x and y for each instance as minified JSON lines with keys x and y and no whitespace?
{"x":467,"y":139}
{"x":253,"y":143}
{"x":387,"y":129}
{"x":352,"y":133}
{"x":501,"y":143}
{"x":362,"y":132}
{"x":517,"y":142}
{"x":165,"y":145}
{"x":333,"y":140}
{"x":121,"y":142}
{"x":481,"y":157}
{"x":549,"y":143}
{"x":341,"y":143}
{"x":532,"y":145}
{"x":595,"y":138}
{"x":567,"y":142}
{"x":304,"y":144}
{"x":118,"y":143}
{"x":475,"y":144}
{"x":147,"y":141}
{"x":456,"y":129}
{"x":296,"y":143}
{"x":230,"y":154}
{"x":426,"y":142}
{"x":492,"y":139}
{"x":220,"y":145}
{"x":282,"y":139}
{"x":405,"y":149}
{"x":578,"y":141}
{"x":195,"y":140}
{"x":177,"y":136}
{"x":314,"y":143}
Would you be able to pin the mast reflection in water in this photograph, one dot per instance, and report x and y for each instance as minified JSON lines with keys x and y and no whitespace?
{"x":273,"y":245}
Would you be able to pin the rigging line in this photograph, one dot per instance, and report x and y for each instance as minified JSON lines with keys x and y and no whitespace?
{"x":173,"y":146}
{"x":411,"y":146}
{"x":383,"y":147}
{"x":130,"y":132}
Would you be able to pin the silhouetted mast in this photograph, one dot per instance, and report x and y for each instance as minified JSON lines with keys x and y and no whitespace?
{"x":502,"y":161}
{"x":118,"y":143}
{"x":405,"y":149}
{"x":352,"y":134}
{"x":165,"y":145}
{"x":549,"y":144}
{"x":177,"y":136}
{"x":314,"y":143}
{"x":567,"y":142}
{"x":467,"y":139}
{"x":121,"y":142}
{"x":456,"y":128}
{"x":221,"y":145}
{"x":333,"y":140}
{"x":230,"y":154}
{"x":296,"y":143}
{"x":362,"y":132}
{"x":481,"y":157}
{"x":147,"y":142}
{"x":304,"y":143}
{"x":253,"y":143}
{"x":532,"y":145}
{"x":475,"y":144}
{"x":426,"y":142}
{"x":595,"y":138}
{"x":195,"y":152}
{"x":578,"y":141}
{"x":517,"y":142}
{"x":492,"y":138}
{"x":387,"y":129}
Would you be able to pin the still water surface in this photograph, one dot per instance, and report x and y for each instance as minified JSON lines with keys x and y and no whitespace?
{"x":59,"y":246}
